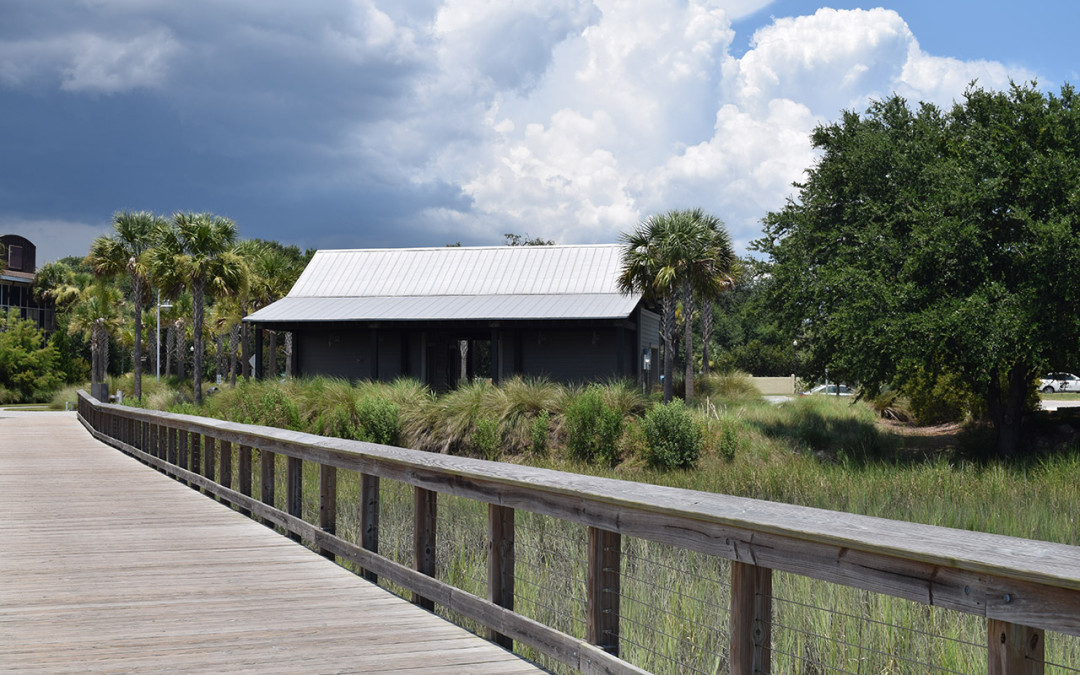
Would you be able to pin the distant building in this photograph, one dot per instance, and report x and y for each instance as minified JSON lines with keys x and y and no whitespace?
{"x":441,"y":315}
{"x":17,"y":282}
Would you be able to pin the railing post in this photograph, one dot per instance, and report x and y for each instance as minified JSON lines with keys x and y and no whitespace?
{"x":172,"y":450}
{"x":425,"y":505}
{"x":327,"y":504}
{"x":182,"y":450}
{"x":225,"y":464}
{"x":369,"y":519}
{"x":208,"y":457}
{"x":266,"y":479}
{"x":602,"y":594}
{"x":294,"y":490}
{"x":1014,"y":649}
{"x":243,"y":474}
{"x":195,"y":453}
{"x":751,"y":619}
{"x":501,"y":564}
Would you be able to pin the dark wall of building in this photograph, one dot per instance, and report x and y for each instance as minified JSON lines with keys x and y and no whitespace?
{"x":648,"y":343}
{"x":430,"y":353}
{"x":568,"y":354}
{"x":338,"y":353}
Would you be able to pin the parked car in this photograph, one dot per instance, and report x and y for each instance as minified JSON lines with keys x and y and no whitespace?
{"x":830,"y":390}
{"x":1059,"y":382}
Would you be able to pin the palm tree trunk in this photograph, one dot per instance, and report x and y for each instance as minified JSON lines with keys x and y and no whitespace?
{"x":136,"y":353}
{"x":706,"y":333}
{"x":245,"y":342}
{"x":170,"y":347}
{"x":272,"y":361}
{"x":181,"y":349}
{"x":95,"y":354}
{"x":688,"y":330}
{"x":667,"y":334}
{"x":219,"y":366}
{"x":197,"y":297}
{"x":234,"y":334}
{"x":103,"y":350}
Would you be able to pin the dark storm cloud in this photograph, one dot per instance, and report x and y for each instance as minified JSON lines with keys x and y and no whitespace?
{"x":254,"y":112}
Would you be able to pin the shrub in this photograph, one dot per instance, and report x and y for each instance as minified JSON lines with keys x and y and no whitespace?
{"x":277,"y":409}
{"x":938,"y":399}
{"x":721,"y":438}
{"x":592,"y":427}
{"x":632,"y":440}
{"x":673,"y":438}
{"x":378,"y":420}
{"x":485,"y":438}
{"x":538,"y":433}
{"x":28,"y":371}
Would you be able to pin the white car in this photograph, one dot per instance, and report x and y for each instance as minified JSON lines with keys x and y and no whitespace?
{"x":1059,"y":382}
{"x":830,"y":390}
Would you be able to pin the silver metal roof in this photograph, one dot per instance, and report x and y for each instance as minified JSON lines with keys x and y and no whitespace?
{"x":456,"y":283}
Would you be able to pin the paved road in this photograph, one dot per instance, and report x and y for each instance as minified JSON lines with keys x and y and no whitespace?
{"x":1055,"y":405}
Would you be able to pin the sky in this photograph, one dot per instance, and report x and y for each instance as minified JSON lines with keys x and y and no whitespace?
{"x":394,"y":123}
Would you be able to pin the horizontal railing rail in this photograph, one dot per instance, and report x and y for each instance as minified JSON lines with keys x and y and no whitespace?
{"x":1021,"y":587}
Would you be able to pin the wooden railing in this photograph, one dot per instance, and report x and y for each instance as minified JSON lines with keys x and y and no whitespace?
{"x":1021,"y":587}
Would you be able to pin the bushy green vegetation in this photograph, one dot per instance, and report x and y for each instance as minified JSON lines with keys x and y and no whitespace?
{"x":592,"y":428}
{"x":28,"y":370}
{"x":817,"y":451}
{"x":672,"y":437}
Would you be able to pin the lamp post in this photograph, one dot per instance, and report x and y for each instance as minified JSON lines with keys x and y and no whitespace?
{"x":157,"y":343}
{"x":795,"y":356}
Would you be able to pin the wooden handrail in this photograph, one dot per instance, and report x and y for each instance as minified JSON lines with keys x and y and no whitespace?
{"x":1012,"y":582}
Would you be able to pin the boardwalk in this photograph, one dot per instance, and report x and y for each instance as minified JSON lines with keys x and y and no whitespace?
{"x":109,"y":566}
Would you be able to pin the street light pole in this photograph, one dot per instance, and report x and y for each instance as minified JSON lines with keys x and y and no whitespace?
{"x":157,"y":344}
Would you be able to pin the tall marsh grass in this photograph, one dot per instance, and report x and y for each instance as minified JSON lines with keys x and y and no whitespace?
{"x":819,"y":452}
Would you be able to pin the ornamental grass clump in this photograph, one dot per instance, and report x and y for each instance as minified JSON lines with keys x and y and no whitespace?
{"x":673,"y":437}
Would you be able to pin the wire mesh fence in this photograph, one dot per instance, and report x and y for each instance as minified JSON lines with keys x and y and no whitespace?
{"x":819,"y":627}
{"x":674,"y":608}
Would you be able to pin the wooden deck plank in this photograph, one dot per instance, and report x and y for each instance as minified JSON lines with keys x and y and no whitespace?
{"x":108,"y":566}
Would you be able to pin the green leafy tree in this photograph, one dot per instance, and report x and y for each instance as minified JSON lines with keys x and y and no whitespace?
{"x":197,"y":252}
{"x":524,"y":240}
{"x":28,"y":365}
{"x":928,"y":241}
{"x":124,"y":253}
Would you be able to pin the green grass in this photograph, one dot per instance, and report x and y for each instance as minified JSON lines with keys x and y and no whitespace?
{"x":813,"y":451}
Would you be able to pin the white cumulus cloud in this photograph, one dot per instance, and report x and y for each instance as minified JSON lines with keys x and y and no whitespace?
{"x":644,"y":109}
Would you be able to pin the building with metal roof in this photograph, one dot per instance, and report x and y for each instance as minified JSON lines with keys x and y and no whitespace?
{"x":444,"y":314}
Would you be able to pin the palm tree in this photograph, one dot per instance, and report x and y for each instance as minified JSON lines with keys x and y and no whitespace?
{"x":650,"y":265}
{"x":673,"y":253}
{"x":197,"y":252}
{"x":124,"y":252}
{"x":97,"y":313}
{"x":707,"y":270}
{"x":274,"y":270}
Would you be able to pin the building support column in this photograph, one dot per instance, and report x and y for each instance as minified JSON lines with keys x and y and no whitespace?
{"x":496,"y":355}
{"x":259,"y":353}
